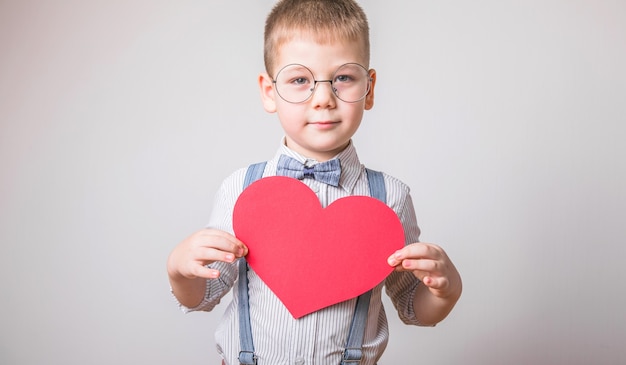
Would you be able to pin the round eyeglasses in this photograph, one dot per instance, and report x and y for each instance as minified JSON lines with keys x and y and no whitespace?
{"x":295,"y":83}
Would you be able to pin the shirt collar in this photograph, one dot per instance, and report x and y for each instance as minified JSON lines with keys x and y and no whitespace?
{"x":351,"y":167}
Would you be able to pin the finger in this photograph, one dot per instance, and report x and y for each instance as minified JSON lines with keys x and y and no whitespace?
{"x":415,"y":251}
{"x":235,"y":246}
{"x":220,"y":240}
{"x":207,"y":255}
{"x":201,"y":271}
{"x":231,"y":239}
{"x":429,"y":279}
{"x":424,"y":265}
{"x":435,"y":282}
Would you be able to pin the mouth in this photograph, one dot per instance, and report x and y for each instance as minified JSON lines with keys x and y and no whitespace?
{"x":324,"y":124}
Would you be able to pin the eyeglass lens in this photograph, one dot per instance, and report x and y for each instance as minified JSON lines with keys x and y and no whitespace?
{"x":295,"y":83}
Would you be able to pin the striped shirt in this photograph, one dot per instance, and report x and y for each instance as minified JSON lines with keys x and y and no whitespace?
{"x":318,"y":338}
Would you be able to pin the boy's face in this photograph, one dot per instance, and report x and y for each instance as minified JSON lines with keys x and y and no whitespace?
{"x":323,"y":125}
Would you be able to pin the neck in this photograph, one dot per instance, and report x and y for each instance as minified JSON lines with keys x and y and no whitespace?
{"x":319,"y":156}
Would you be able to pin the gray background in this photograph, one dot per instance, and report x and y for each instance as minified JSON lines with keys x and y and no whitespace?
{"x":120,"y":118}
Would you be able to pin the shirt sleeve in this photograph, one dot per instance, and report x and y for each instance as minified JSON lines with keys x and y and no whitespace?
{"x":401,"y":286}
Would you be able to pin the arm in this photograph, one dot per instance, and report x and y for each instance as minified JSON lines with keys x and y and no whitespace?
{"x":202,"y":268}
{"x":441,"y":284}
{"x":425,"y":285}
{"x":187,"y":263}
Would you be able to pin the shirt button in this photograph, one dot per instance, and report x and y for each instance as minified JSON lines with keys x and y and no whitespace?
{"x":299,"y":361}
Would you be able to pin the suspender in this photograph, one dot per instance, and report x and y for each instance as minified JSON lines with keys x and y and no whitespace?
{"x":352,"y":353}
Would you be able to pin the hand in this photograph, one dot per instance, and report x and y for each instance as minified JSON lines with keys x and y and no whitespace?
{"x":188,"y":260}
{"x":431,"y":265}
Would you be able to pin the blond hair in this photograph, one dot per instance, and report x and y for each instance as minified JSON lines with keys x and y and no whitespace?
{"x":325,"y":21}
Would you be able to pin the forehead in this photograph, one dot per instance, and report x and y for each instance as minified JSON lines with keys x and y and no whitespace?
{"x":319,"y":54}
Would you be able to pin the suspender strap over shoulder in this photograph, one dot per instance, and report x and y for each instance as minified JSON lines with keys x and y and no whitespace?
{"x":376,"y":182}
{"x":353,"y":351}
{"x":246,"y":353}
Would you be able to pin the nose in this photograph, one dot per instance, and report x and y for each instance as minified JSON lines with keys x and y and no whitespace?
{"x":323,"y":96}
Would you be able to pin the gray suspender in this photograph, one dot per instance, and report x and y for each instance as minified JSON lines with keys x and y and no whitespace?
{"x":246,"y":353}
{"x":352,"y":353}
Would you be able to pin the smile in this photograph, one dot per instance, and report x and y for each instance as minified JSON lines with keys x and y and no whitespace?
{"x":324,"y":124}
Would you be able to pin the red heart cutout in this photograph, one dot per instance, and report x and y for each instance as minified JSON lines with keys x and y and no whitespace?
{"x":312,"y":257}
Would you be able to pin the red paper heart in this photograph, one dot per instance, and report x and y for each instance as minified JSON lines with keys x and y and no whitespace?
{"x":312,"y":257}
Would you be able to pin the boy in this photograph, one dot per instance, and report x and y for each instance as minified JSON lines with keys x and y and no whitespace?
{"x":319,"y":83}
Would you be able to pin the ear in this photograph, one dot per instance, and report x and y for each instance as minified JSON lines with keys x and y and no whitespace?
{"x":369,"y":98}
{"x":268,"y":95}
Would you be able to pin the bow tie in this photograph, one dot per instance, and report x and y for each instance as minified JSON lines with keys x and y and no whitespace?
{"x":327,"y":172}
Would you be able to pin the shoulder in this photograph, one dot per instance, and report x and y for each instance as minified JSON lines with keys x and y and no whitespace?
{"x":392,"y":183}
{"x":235,"y":181}
{"x":398,"y":192}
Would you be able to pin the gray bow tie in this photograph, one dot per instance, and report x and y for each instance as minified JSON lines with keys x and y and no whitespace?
{"x":327,"y":172}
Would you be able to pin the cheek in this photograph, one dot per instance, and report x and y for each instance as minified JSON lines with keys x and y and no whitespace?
{"x":355,"y":116}
{"x":290,"y":115}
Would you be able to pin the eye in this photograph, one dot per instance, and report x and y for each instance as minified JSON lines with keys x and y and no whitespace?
{"x":299,"y":81}
{"x":343,"y":78}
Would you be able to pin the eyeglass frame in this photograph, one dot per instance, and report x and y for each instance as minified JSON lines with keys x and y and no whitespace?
{"x":315,"y":82}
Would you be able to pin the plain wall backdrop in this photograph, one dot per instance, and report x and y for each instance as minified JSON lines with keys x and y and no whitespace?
{"x":119,"y":119}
